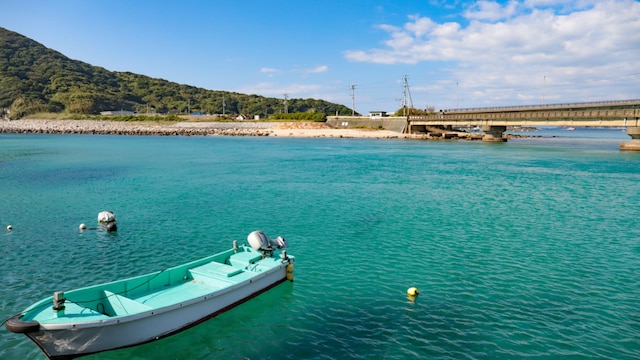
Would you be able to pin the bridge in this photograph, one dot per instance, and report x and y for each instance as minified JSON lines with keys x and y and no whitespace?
{"x":495,"y":120}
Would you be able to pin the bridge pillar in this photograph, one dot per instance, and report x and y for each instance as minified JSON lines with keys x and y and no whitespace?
{"x":493,"y":133}
{"x":634,"y":144}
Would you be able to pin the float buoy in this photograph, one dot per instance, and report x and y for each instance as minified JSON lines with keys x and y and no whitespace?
{"x":290,"y":272}
{"x":83,"y":226}
{"x":9,"y":227}
{"x":412,"y":291}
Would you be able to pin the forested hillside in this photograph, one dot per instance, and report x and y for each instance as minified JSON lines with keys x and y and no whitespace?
{"x":36,"y":79}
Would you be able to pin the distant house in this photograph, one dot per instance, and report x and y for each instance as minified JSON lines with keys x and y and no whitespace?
{"x":374,"y":114}
{"x":244,"y":117}
{"x":117,"y":113}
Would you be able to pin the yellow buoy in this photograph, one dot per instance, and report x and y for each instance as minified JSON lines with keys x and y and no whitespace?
{"x":290,"y":272}
{"x":412,"y":291}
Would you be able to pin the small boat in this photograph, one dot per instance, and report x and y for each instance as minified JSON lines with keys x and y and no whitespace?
{"x":145,"y":308}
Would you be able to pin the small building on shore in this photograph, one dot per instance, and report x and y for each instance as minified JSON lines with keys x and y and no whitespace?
{"x":377,"y":114}
{"x":117,"y":113}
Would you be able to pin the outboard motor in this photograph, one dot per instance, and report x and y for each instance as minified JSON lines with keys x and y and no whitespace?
{"x":279,"y":242}
{"x":259,"y":241}
{"x":108,"y":220}
{"x":106,"y":217}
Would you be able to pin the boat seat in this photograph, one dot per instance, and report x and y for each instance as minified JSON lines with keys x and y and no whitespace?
{"x":121,"y":305}
{"x":216,"y":269}
{"x":244,"y":259}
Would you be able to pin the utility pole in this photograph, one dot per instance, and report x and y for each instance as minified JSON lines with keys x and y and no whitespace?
{"x":544,"y":83}
{"x":286,"y":109}
{"x":353,"y":100}
{"x":223,"y":105}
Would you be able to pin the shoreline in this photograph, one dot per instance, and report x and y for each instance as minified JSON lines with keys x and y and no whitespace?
{"x":276,"y":129}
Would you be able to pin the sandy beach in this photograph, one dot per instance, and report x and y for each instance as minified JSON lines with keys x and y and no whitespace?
{"x":280,"y":129}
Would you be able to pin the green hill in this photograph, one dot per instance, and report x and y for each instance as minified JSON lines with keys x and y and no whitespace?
{"x":36,"y":79}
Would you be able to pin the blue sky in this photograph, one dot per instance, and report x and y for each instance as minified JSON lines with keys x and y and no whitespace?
{"x":454,"y":53}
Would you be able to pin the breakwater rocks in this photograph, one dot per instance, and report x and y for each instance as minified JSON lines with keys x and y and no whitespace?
{"x":241,"y":128}
{"x":134,"y":128}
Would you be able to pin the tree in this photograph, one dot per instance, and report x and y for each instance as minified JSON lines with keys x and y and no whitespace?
{"x":30,"y":71}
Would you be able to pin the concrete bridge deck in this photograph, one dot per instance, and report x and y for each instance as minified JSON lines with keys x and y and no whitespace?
{"x":494,"y":121}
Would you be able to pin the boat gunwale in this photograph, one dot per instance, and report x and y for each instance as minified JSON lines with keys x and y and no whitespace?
{"x":98,"y":321}
{"x":120,"y":319}
{"x":187,"y":326}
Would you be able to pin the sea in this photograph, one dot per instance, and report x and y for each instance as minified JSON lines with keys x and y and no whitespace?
{"x":519,"y":250}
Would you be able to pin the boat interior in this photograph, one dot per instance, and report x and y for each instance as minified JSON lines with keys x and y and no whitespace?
{"x":163,"y":288}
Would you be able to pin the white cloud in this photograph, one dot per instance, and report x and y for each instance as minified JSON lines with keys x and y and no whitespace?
{"x":315,"y":70}
{"x":270,"y":71}
{"x":515,"y":45}
{"x":491,"y":11}
{"x":319,"y":69}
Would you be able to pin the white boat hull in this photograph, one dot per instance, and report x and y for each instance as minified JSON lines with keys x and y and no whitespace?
{"x":144,"y":327}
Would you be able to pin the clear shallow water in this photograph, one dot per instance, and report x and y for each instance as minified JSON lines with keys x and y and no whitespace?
{"x":525,"y":249}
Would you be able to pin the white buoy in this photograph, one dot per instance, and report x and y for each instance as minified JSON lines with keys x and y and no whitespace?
{"x":83,"y":226}
{"x":9,"y":227}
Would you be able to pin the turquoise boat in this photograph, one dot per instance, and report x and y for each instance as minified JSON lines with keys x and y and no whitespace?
{"x":145,"y":308}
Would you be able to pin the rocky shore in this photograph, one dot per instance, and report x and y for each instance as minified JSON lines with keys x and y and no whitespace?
{"x":283,"y":129}
{"x":128,"y":128}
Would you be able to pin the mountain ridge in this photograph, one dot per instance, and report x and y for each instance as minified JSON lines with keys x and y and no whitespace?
{"x":34,"y":79}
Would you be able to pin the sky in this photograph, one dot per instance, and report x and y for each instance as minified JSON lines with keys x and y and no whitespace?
{"x":366,"y":54}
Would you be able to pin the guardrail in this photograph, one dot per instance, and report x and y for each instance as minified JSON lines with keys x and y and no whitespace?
{"x":549,"y":117}
{"x":632,"y":102}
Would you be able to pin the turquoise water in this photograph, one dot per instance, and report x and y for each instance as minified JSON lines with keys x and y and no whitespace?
{"x":519,"y":250}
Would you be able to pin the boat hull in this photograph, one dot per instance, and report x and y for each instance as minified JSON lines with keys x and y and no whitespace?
{"x":144,"y":327}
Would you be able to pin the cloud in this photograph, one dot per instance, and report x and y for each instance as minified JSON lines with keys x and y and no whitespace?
{"x":520,"y":42}
{"x":316,"y":70}
{"x":319,"y":69}
{"x":491,"y":11}
{"x":269,"y":71}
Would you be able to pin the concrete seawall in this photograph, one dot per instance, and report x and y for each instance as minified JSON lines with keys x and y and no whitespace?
{"x":396,"y":124}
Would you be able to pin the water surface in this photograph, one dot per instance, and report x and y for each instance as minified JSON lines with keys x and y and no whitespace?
{"x":524,"y":249}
